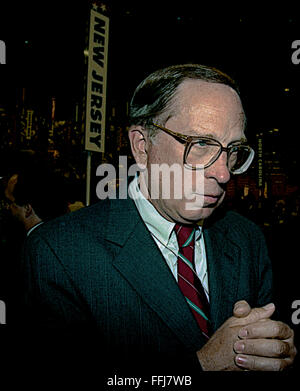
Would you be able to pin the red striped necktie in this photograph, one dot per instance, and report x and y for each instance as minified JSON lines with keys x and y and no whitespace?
{"x":188,"y":280}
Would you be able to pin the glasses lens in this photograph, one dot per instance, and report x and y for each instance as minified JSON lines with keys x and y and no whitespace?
{"x":239,"y":158}
{"x":202,"y":152}
{"x":205,"y":152}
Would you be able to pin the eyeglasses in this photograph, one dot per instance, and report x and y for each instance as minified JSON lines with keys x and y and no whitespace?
{"x":204,"y":151}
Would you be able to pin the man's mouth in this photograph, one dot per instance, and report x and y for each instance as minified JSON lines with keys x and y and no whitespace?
{"x":212,"y":198}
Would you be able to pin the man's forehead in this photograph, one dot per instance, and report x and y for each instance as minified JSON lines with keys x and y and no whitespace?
{"x":205,"y":104}
{"x":207,"y":94}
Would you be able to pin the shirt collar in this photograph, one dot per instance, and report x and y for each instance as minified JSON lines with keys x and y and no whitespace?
{"x":33,"y":228}
{"x":160,"y":227}
{"x":156,"y":223}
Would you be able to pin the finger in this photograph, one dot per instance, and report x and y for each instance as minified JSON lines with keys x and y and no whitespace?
{"x":255,"y":315}
{"x":241,"y":309}
{"x":263,"y":347}
{"x":255,"y":363}
{"x":266,"y":329}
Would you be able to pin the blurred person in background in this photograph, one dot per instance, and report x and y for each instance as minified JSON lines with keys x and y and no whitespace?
{"x":31,"y":195}
{"x":35,"y":196}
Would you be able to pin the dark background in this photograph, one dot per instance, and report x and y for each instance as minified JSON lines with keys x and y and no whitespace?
{"x":45,"y":43}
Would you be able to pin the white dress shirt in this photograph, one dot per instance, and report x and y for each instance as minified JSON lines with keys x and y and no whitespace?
{"x":33,"y":228}
{"x":163,"y":233}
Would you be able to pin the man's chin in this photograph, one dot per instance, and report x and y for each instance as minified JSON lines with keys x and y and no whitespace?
{"x":200,"y":208}
{"x":197,"y":214}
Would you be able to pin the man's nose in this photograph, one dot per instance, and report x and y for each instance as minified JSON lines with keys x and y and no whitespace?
{"x":219,"y":169}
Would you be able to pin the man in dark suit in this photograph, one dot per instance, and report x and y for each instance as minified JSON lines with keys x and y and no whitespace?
{"x":159,"y":274}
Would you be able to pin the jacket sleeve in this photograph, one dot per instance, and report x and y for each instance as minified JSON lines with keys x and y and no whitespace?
{"x":256,"y":264}
{"x":265,"y":274}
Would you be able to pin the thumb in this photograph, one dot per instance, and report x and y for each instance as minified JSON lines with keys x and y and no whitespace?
{"x":255,"y":315}
{"x":241,"y":309}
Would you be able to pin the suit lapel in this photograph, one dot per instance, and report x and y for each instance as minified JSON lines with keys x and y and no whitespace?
{"x":141,"y":263}
{"x":223,"y":271}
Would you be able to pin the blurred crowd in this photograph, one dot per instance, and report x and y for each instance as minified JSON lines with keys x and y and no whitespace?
{"x":268,"y":212}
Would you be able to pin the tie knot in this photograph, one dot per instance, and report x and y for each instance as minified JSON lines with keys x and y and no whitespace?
{"x":185,"y":234}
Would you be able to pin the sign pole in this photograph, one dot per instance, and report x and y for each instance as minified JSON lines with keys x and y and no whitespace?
{"x":88,"y":177}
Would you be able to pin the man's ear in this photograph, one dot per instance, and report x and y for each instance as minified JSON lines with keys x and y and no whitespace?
{"x":138,"y":142}
{"x":28,"y":210}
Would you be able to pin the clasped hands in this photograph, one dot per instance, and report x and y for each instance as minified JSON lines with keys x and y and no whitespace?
{"x":249,"y":340}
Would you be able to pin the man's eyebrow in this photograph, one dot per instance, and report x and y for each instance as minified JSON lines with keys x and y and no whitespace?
{"x":241,"y":140}
{"x":193,"y":133}
{"x":209,"y":135}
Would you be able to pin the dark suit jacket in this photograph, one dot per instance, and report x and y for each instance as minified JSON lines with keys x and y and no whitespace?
{"x":99,"y":267}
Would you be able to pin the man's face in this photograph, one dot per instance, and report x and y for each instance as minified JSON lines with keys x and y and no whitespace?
{"x":201,"y":109}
